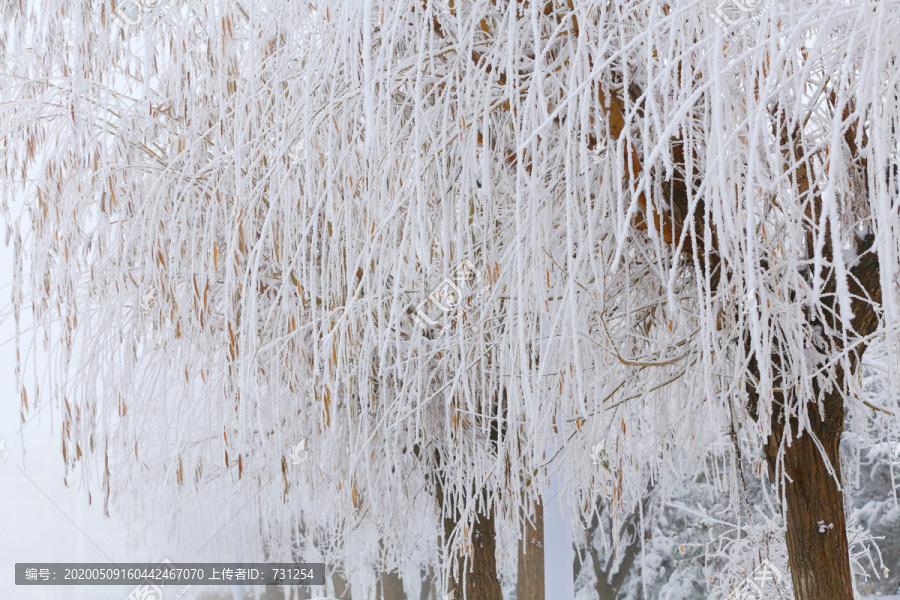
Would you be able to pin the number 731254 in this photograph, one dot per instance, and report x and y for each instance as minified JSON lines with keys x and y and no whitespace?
{"x":297,"y":574}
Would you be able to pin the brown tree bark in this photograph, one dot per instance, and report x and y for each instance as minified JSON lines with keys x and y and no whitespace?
{"x":341,"y":586}
{"x":390,"y":587}
{"x":428,"y":590}
{"x":819,"y":556}
{"x":819,"y":560}
{"x":816,"y":537}
{"x":530,"y":577}
{"x":480,"y":580}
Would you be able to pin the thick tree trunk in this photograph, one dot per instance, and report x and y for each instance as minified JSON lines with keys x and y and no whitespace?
{"x":390,"y":587}
{"x":816,"y":529}
{"x":341,"y":586}
{"x":530,"y":579}
{"x":481,"y":581}
{"x":428,"y":590}
{"x":816,"y":538}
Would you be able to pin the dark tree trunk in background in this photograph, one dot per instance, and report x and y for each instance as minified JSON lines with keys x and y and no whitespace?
{"x":341,"y":586}
{"x":481,"y":581}
{"x":429,"y":590}
{"x":608,"y":584}
{"x":819,"y":557}
{"x":530,"y":579}
{"x":390,"y":587}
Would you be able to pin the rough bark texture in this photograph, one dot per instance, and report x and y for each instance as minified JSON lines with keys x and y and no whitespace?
{"x":481,"y":582}
{"x":819,"y":556}
{"x":820,"y":561}
{"x":530,"y":578}
{"x":481,"y":579}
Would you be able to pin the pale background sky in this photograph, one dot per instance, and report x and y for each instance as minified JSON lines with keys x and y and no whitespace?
{"x":41,"y":520}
